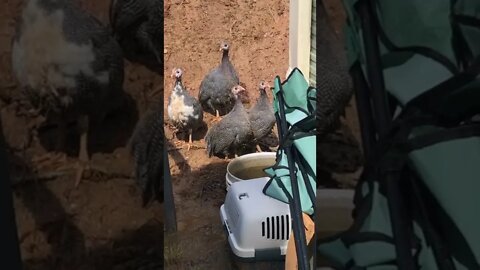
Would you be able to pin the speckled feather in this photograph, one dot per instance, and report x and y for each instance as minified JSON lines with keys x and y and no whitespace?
{"x":231,"y":134}
{"x":83,"y":64}
{"x":184,"y":111}
{"x":147,"y":145}
{"x":334,"y":85}
{"x":138,"y":27}
{"x":215,"y":89}
{"x":262,"y":117}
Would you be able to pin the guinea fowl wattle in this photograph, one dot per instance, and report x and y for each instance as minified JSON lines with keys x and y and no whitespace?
{"x":261,"y":115}
{"x":69,"y":66}
{"x":215,"y":94}
{"x":138,"y":28}
{"x":147,"y":146}
{"x":233,"y":133}
{"x":184,"y":111}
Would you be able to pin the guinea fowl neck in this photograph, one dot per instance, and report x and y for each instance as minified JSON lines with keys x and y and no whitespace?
{"x":178,"y":85}
{"x":225,"y":59}
{"x":263,"y":93}
{"x":238,"y":103}
{"x":263,"y":96}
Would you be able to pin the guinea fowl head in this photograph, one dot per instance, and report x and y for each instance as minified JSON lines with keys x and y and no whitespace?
{"x":177,"y":74}
{"x":236,"y":90}
{"x":224,"y":46}
{"x":264,"y":86}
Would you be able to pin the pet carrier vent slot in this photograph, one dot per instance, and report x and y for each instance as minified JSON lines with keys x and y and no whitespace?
{"x":276,"y":227}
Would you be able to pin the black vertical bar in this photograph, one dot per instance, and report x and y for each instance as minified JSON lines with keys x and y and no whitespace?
{"x":169,"y":204}
{"x":364,"y":109}
{"x":10,"y":248}
{"x":400,"y":225}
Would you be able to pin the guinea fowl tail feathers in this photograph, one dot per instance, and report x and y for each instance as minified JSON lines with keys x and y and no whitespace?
{"x":208,"y":142}
{"x":147,"y":146}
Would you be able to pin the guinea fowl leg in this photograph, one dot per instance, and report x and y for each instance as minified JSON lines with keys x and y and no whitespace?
{"x":217,"y":117}
{"x":259,"y":149}
{"x":190,"y":141}
{"x":83,"y":159}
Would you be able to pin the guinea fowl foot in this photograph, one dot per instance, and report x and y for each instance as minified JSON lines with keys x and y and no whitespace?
{"x":81,"y":167}
{"x":178,"y":144}
{"x":54,"y":161}
{"x":190,"y":143}
{"x":216,"y":118}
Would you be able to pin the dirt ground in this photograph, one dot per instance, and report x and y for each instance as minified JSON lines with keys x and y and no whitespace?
{"x":258,"y":35}
{"x":101,"y":224}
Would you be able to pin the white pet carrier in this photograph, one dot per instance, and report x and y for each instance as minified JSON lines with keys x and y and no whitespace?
{"x":257,"y":226}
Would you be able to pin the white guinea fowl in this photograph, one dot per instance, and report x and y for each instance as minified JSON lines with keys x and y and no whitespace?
{"x":69,"y":65}
{"x":184,"y":111}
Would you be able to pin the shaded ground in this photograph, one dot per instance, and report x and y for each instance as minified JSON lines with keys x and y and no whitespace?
{"x":100,"y":225}
{"x":258,"y":36}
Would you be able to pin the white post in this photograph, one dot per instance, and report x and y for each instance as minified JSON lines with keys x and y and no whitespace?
{"x":299,"y":36}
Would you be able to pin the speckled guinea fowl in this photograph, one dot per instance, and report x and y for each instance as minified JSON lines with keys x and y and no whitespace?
{"x":334,"y":85}
{"x":338,"y":151}
{"x":261,"y":115}
{"x":138,"y":27}
{"x":233,"y":133}
{"x":215,"y":94}
{"x":184,"y":111}
{"x":69,"y":65}
{"x":146,"y":146}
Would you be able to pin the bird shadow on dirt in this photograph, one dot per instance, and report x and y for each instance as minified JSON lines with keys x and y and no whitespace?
{"x":178,"y":158}
{"x":114,"y":131}
{"x":135,"y":249}
{"x":51,"y":219}
{"x":206,"y":183}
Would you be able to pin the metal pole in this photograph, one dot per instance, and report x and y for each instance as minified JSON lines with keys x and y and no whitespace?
{"x":10,"y":248}
{"x":169,"y":204}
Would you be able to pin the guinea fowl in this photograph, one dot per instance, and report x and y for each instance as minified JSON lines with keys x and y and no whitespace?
{"x":184,"y":111}
{"x":146,"y":147}
{"x":261,"y":115}
{"x":215,"y":94}
{"x":232,"y":133}
{"x":334,"y":86}
{"x":138,"y":27}
{"x":334,"y":91}
{"x":69,"y":65}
